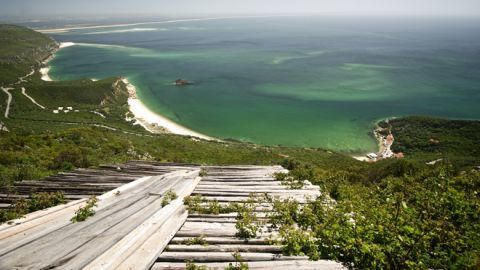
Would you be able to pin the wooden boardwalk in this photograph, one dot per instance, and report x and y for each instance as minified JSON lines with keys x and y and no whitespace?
{"x":83,"y":183}
{"x":236,"y":184}
{"x":131,"y":229}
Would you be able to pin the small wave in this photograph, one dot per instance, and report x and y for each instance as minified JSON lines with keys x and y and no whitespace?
{"x":126,"y":31}
{"x":186,"y":28}
{"x":66,"y":44}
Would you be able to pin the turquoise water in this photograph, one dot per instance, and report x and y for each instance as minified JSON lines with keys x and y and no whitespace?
{"x":309,"y":81}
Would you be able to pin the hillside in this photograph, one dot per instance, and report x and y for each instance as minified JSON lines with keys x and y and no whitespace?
{"x":20,"y":50}
{"x":392,"y":214}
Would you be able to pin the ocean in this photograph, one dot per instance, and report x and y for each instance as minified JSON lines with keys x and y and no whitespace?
{"x":293,"y":81}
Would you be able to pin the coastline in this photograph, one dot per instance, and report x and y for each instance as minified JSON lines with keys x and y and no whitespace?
{"x":384,"y":143}
{"x":149,"y":120}
{"x":153,"y":122}
{"x":46,"y":69}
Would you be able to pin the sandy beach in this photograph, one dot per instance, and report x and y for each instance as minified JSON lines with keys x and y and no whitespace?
{"x":154,"y":122}
{"x":145,"y":117}
{"x":45,"y":70}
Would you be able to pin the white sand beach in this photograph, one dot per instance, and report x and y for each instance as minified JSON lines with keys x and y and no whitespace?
{"x":83,"y":27}
{"x":154,"y":122}
{"x":45,"y":70}
{"x":148,"y":119}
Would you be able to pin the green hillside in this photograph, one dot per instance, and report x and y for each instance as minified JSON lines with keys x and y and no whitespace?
{"x":20,"y":50}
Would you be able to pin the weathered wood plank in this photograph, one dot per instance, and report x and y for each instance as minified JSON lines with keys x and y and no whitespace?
{"x":141,"y":247}
{"x":277,"y":265}
{"x":72,"y":246}
{"x":222,"y":241}
{"x":223,"y":257}
{"x":225,"y":248}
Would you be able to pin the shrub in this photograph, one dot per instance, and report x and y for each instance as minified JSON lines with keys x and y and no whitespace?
{"x":297,"y":242}
{"x":198,"y":204}
{"x":203,"y":172}
{"x":192,"y":266}
{"x":86,"y":211}
{"x":37,"y":201}
{"x":200,"y":240}
{"x":247,"y":224}
{"x":239,"y":264}
{"x":169,"y":196}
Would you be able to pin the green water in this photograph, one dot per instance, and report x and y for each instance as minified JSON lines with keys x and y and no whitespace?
{"x":291,"y":81}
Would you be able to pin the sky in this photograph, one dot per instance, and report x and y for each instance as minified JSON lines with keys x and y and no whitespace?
{"x":41,"y":8}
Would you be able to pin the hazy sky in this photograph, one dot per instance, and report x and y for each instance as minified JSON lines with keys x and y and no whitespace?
{"x":32,"y":8}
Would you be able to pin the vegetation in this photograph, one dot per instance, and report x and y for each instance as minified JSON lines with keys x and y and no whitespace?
{"x":86,"y":211}
{"x":192,"y":266}
{"x":414,"y":218}
{"x":200,"y":205}
{"x":37,"y":201}
{"x":428,"y":139}
{"x":21,"y":49}
{"x":203,"y":172}
{"x":239,"y":264}
{"x":247,"y":224}
{"x":169,"y":196}
{"x":200,"y":240}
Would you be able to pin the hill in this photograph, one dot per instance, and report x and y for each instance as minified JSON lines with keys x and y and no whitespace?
{"x":21,"y":49}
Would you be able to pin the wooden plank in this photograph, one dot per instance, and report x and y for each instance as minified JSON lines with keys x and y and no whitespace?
{"x":195,"y":229}
{"x":58,"y":228}
{"x":277,"y":265}
{"x":223,"y":257}
{"x":222,"y":240}
{"x":141,"y":247}
{"x":73,"y":245}
{"x":225,"y":248}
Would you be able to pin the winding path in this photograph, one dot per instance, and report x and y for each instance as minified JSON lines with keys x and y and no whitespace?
{"x":9,"y":100}
{"x":31,"y":99}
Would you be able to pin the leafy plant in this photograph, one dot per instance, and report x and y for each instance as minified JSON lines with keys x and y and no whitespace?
{"x":86,"y":211}
{"x":297,"y":242}
{"x":198,"y":204}
{"x":247,"y":224}
{"x":37,"y":201}
{"x":192,"y":266}
{"x":239,"y":264}
{"x":203,"y":172}
{"x":200,"y":240}
{"x":169,"y":196}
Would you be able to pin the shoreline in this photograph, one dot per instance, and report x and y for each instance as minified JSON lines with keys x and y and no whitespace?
{"x":46,"y":69}
{"x":149,"y":120}
{"x":384,"y":144}
{"x":154,"y":122}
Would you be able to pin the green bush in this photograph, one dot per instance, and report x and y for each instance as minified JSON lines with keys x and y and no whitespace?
{"x":169,"y":196}
{"x":36,"y":202}
{"x":297,"y":242}
{"x":239,"y":264}
{"x":427,"y":220}
{"x":200,"y":240}
{"x":247,"y":224}
{"x":86,"y":211}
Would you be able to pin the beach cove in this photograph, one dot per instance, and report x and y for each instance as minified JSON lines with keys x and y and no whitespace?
{"x":317,"y":89}
{"x":143,"y":116}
